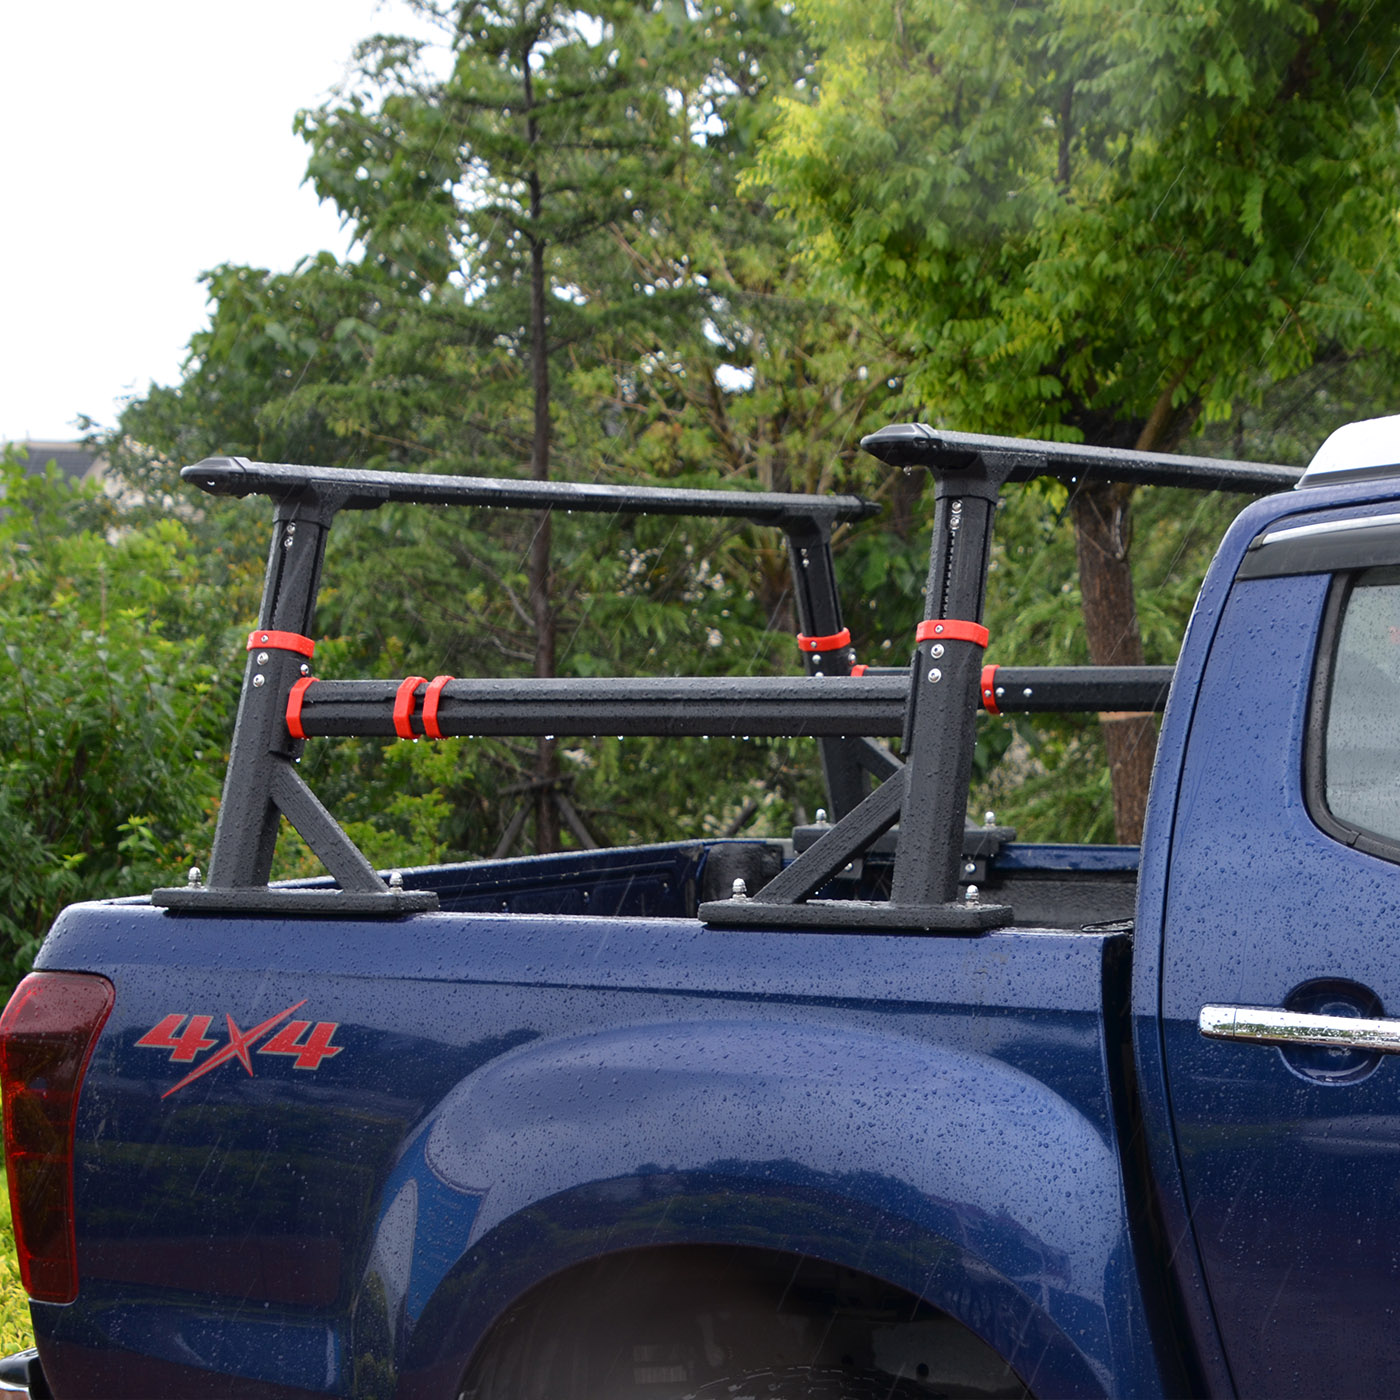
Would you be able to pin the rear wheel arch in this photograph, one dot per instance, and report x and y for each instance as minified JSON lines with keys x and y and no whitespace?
{"x":692,"y":1320}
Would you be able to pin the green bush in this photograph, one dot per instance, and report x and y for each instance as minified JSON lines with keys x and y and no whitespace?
{"x":112,"y":715}
{"x":16,"y":1330}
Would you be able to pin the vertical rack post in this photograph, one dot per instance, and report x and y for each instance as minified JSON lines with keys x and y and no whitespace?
{"x":941,"y":718}
{"x":246,"y":834}
{"x":819,"y":615}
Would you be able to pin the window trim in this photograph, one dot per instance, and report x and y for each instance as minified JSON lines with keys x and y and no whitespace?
{"x":1359,"y":838}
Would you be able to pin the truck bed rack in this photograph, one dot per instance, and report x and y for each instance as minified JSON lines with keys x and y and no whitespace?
{"x":931,"y":704}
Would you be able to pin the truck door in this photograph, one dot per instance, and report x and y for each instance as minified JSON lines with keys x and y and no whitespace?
{"x":1281,"y":962}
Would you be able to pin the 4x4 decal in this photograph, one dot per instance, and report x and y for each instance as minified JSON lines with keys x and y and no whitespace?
{"x":185,"y":1036}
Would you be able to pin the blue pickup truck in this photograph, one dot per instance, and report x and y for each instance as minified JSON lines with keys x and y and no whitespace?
{"x":898,"y":1107}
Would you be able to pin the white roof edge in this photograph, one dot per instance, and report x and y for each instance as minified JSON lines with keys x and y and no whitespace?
{"x":1372,"y":443}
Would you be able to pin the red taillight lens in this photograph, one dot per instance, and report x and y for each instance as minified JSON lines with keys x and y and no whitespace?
{"x":46,"y":1036}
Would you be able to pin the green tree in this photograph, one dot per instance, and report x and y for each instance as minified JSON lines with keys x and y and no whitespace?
{"x":111,"y":721}
{"x":1103,"y":220}
{"x":682,"y":343}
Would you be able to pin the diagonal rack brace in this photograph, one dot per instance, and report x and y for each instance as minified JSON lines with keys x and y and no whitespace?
{"x":262,"y":785}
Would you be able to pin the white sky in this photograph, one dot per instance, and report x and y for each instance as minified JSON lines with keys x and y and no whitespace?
{"x":141,"y":142}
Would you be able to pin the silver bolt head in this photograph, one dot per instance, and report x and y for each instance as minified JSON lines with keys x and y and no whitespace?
{"x":821,"y":816}
{"x":935,"y":675}
{"x":262,"y":658}
{"x":741,"y":889}
{"x":1027,"y":692}
{"x":990,"y":819}
{"x":936,"y":649}
{"x":969,"y":868}
{"x":259,"y":680}
{"x":395,"y":880}
{"x":196,"y":877}
{"x":305,"y":669}
{"x":973,"y":895}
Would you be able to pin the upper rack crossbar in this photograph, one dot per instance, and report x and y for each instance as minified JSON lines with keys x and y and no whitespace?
{"x":919,"y":445}
{"x":367,"y":490}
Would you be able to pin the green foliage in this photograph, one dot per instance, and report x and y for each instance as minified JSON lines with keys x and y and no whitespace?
{"x":1073,"y":219}
{"x":662,"y":288}
{"x":16,"y":1328}
{"x":111,"y":720}
{"x":1084,"y":211}
{"x":1101,"y":220}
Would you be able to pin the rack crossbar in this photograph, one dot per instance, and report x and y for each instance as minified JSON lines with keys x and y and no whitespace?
{"x":703,"y":706}
{"x":919,"y":445}
{"x":367,"y":490}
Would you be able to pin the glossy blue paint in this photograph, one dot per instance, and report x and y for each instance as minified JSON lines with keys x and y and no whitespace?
{"x":514,"y":1094}
{"x":1288,"y":1193}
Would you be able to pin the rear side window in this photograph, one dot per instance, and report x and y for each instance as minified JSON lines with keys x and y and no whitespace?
{"x":1355,"y":768}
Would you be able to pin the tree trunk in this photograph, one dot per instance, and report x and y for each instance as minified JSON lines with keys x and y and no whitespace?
{"x":546,"y":773}
{"x":1103,"y":528}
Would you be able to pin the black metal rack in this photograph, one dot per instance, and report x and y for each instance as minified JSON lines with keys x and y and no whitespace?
{"x":932,"y":705}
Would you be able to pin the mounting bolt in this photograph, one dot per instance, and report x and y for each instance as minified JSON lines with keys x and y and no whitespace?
{"x":195,"y":878}
{"x":305,"y":669}
{"x":1027,"y":692}
{"x":969,"y":868}
{"x":395,"y":880}
{"x":973,"y":895}
{"x":935,"y":675}
{"x":262,"y":658}
{"x":821,"y":816}
{"x":936,"y":649}
{"x":259,"y":679}
{"x":990,"y":819}
{"x":741,"y":890}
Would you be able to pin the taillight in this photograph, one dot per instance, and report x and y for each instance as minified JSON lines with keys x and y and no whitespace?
{"x":46,"y":1037}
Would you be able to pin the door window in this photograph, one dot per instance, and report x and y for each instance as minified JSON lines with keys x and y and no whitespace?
{"x":1360,"y":757}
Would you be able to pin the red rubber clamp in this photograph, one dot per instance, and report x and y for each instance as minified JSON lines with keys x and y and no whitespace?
{"x":280,"y":641}
{"x":859,"y":670}
{"x":403,"y":705}
{"x":949,"y":629}
{"x":835,"y":642}
{"x":294,"y":706}
{"x":989,"y":690}
{"x":431,"y":699}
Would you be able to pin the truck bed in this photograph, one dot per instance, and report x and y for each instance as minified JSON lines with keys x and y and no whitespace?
{"x":563,"y":1056}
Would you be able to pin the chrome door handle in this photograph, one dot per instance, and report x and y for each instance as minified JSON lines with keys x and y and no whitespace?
{"x":1271,"y":1026}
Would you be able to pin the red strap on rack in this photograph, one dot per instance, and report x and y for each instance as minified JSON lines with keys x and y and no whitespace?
{"x":949,"y":629}
{"x":280,"y":641}
{"x":403,"y":705}
{"x":431,"y":698}
{"x":858,"y":670}
{"x":835,"y":642}
{"x":989,"y":690}
{"x":294,"y":706}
